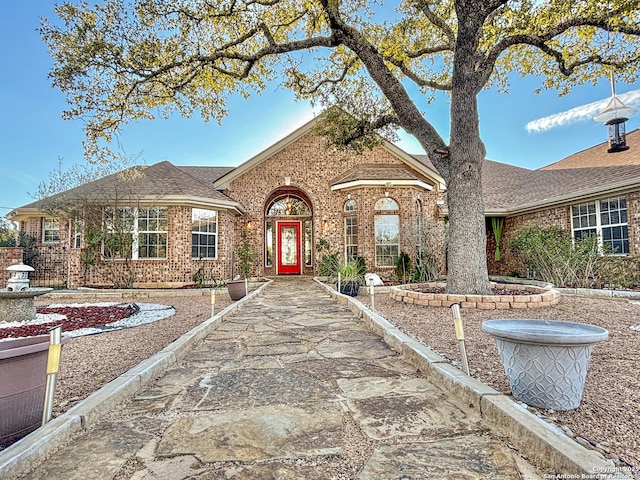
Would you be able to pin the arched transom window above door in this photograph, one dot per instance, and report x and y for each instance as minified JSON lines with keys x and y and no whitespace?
{"x":289,"y":205}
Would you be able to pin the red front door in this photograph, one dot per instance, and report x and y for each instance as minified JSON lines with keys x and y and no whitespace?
{"x":288,"y":248}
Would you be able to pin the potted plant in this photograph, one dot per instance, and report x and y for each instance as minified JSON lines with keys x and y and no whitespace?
{"x":351,"y":276}
{"x":246,"y":254}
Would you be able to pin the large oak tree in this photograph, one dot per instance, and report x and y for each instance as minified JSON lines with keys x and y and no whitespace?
{"x":124,"y":60}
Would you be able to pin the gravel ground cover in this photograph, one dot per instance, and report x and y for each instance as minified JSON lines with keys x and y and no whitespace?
{"x":90,"y":361}
{"x":608,"y":418}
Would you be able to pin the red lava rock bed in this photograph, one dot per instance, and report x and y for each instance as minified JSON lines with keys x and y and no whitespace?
{"x":77,"y":317}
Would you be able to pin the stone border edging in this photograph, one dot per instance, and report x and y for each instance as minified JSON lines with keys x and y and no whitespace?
{"x":24,"y":455}
{"x":539,"y":297}
{"x":545,"y":444}
{"x":579,"y":291}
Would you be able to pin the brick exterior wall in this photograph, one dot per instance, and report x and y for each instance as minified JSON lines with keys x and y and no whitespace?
{"x":633,"y":219}
{"x":175,"y":271}
{"x":312,"y":168}
{"x":8,"y":256}
{"x":510,"y":263}
{"x":558,"y":216}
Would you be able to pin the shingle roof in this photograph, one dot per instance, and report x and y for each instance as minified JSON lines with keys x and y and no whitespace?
{"x":155,"y":181}
{"x":514,"y":189}
{"x":206,"y":175}
{"x":509,"y":189}
{"x":597,"y":156}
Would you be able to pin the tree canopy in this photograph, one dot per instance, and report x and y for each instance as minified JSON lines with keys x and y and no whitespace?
{"x":125,"y":60}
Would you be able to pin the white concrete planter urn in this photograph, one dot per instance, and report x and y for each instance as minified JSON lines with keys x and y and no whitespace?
{"x":546,"y":361}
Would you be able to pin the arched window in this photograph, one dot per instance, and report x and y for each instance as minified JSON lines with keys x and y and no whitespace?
{"x":350,"y":229}
{"x":386,"y":203}
{"x":289,"y":206}
{"x":387,"y":228}
{"x":350,"y":206}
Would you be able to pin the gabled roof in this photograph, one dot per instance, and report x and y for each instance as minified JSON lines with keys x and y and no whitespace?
{"x":376,"y":174}
{"x":425,"y":168}
{"x":597,"y":156}
{"x":142,"y":185}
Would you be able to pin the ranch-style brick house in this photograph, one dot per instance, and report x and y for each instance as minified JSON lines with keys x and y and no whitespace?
{"x":183,"y":220}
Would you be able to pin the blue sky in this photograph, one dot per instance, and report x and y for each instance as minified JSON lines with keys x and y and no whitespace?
{"x":33,"y":136}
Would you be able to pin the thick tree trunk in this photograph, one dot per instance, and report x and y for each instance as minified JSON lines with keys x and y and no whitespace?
{"x":467,"y":248}
{"x":467,"y":252}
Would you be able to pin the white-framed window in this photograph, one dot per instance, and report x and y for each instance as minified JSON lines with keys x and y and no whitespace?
{"x":350,"y":229}
{"x":118,"y":225}
{"x":50,"y":230}
{"x":308,"y":243}
{"x":387,"y":230}
{"x":204,"y":233}
{"x":268,"y":244}
{"x":136,"y":233}
{"x":151,"y":234}
{"x":78,"y":226}
{"x":606,"y":218}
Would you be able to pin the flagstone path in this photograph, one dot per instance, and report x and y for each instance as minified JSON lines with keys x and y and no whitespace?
{"x":290,"y":386}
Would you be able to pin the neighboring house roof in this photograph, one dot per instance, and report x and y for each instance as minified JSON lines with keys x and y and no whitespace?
{"x":597,"y":156}
{"x":424,"y":167}
{"x":375,"y":174}
{"x":142,"y":185}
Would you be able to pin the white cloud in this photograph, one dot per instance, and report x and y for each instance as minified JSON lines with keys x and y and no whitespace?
{"x":583,"y":112}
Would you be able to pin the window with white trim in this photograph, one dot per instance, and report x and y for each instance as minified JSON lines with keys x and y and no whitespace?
{"x":204,"y":233}
{"x":78,"y":227}
{"x":50,"y":230}
{"x":387,"y":231}
{"x":152,"y":232}
{"x":118,"y":226}
{"x":350,"y":229}
{"x":136,"y":233}
{"x":606,"y":218}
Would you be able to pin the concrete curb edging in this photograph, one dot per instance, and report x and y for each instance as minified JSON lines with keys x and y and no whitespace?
{"x":545,"y":445}
{"x":24,"y":455}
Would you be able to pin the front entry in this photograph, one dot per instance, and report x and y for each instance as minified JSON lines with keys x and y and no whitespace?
{"x":289,"y":253}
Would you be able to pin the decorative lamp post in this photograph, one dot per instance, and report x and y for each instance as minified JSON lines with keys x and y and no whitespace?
{"x":614,"y":117}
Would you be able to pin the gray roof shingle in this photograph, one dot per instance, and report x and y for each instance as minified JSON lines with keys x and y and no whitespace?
{"x":144,"y":182}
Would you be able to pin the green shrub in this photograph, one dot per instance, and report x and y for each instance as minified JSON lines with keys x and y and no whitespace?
{"x":554,"y":256}
{"x":426,"y":268}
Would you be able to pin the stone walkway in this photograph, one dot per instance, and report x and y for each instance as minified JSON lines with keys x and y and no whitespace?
{"x":290,"y":386}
